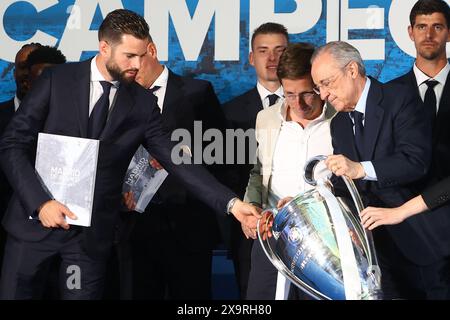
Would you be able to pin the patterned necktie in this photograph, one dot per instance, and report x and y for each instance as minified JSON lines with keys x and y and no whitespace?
{"x":359,"y":130}
{"x":99,"y":114}
{"x":430,"y":100}
{"x":272,"y":99}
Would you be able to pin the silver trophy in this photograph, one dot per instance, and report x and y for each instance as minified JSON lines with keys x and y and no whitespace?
{"x":319,"y":244}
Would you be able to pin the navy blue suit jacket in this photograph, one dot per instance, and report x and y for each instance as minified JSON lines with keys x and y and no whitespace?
{"x":186,"y":101}
{"x":240,"y":113}
{"x":397,"y":139}
{"x":58,"y":104}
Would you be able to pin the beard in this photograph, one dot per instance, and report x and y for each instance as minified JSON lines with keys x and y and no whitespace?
{"x":430,"y":54}
{"x":118,"y":74}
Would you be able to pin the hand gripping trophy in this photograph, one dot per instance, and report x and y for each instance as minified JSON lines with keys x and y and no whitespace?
{"x":318,"y":243}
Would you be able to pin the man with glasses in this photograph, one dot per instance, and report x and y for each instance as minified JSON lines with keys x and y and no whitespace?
{"x":288,"y":134}
{"x":268,"y":43}
{"x":382,"y":139}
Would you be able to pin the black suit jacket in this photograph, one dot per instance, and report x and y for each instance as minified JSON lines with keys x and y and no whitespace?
{"x":188,"y":100}
{"x":58,"y":104}
{"x":437,"y":192}
{"x":440,"y":167}
{"x":6,"y":113}
{"x":240,"y":113}
{"x":398,"y":142}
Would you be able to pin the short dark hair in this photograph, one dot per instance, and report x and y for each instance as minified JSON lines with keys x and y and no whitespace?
{"x":120,"y":22}
{"x":33,"y":45}
{"x":428,"y":7}
{"x":270,"y":28}
{"x":295,"y":62}
{"x":45,"y":54}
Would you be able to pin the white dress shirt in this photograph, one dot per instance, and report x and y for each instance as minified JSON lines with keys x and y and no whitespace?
{"x":296,"y":145}
{"x":441,"y":78}
{"x":161,"y":81}
{"x":263,"y":93}
{"x":96,"y":89}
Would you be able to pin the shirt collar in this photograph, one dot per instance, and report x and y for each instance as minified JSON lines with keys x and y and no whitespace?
{"x":321,"y":117}
{"x":263,"y":92}
{"x":362,"y":102}
{"x":441,"y":77}
{"x":96,"y":76}
{"x":161,"y":81}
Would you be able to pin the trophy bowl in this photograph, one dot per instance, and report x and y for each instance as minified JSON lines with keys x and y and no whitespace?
{"x":318,"y":243}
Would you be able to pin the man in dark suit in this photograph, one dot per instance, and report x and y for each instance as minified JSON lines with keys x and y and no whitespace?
{"x":429,"y":29}
{"x":7,"y":110}
{"x":176,"y":225}
{"x":382,"y":139}
{"x":268,"y":43}
{"x":95,"y":99}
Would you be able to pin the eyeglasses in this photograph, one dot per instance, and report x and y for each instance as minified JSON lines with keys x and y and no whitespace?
{"x":307,"y":96}
{"x":327,"y":83}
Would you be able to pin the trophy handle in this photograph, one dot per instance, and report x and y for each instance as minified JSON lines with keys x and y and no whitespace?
{"x":373,"y":269}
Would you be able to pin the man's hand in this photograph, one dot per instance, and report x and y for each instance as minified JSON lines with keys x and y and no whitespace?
{"x":283,"y":201}
{"x":128,"y":200}
{"x":155,"y":164}
{"x":246,"y":214}
{"x":342,"y":166}
{"x":249,"y":233}
{"x":372,"y":217}
{"x":52,"y":215}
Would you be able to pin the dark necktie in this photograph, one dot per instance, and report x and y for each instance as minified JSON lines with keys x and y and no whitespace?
{"x":272,"y":99}
{"x":99,"y":114}
{"x":153,"y":90}
{"x":359,"y":130}
{"x":430,"y":100}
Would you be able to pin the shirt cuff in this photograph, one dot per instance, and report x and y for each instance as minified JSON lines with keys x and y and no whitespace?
{"x":371,"y":175}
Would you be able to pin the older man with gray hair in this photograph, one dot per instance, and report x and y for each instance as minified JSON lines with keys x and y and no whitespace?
{"x":382,"y":139}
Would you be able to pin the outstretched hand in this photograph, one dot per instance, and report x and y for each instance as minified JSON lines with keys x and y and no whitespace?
{"x":246,"y":214}
{"x":372,"y":217}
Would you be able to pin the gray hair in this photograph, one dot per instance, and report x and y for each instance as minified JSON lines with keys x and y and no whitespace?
{"x":343,"y":53}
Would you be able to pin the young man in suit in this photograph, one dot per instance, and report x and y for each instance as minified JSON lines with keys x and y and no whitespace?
{"x":176,"y":225}
{"x":95,"y":99}
{"x":382,"y":139}
{"x":301,"y":123}
{"x":268,"y":43}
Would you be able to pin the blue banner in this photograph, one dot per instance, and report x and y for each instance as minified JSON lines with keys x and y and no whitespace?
{"x":209,"y":39}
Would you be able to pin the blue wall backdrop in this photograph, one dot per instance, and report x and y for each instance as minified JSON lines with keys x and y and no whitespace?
{"x":209,"y":39}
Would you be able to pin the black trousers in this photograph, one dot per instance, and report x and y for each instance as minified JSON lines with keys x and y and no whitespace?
{"x":241,"y":251}
{"x":163,"y":267}
{"x":26,"y":266}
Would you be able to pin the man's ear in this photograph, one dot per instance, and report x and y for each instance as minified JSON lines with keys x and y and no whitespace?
{"x":410,"y":33}
{"x":151,"y":49}
{"x":104,"y":48}
{"x":251,"y":59}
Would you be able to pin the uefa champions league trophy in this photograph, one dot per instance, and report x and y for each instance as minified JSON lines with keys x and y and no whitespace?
{"x":319,"y":244}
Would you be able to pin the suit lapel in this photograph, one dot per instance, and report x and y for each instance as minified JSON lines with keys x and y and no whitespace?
{"x":444,"y":109}
{"x":80,"y":95}
{"x":172,"y":99}
{"x":121,"y":108}
{"x":373,"y":119}
{"x":254,"y":104}
{"x":343,"y":133}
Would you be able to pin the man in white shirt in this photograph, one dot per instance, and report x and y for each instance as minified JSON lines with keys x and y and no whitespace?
{"x":267,"y":44}
{"x":289,"y":133}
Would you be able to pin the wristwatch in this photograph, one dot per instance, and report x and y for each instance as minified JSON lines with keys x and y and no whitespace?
{"x":231,"y":204}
